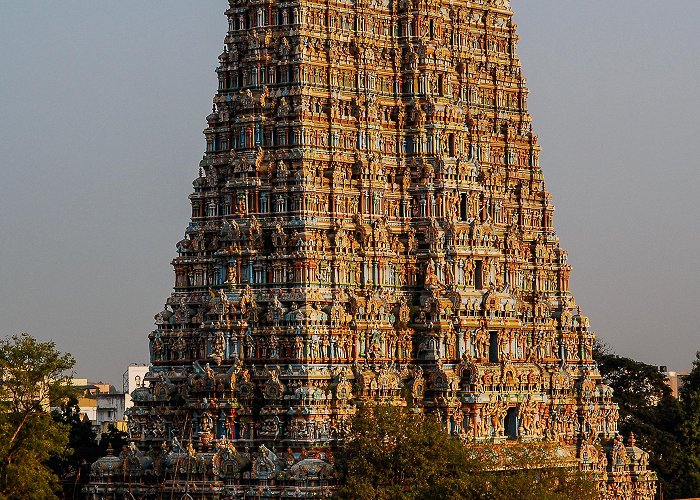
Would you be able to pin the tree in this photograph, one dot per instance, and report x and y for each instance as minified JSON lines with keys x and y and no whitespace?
{"x":637,"y":386}
{"x":395,"y":453}
{"x":74,"y":469}
{"x":113,"y":438}
{"x":690,"y":428}
{"x":648,"y":410}
{"x":34,"y":377}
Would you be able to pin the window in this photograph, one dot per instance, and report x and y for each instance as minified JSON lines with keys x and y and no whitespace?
{"x":212,"y":209}
{"x":493,"y":347}
{"x":282,"y":137}
{"x":258,"y":135}
{"x":195,"y":209}
{"x":478,"y":274}
{"x":464,"y":207}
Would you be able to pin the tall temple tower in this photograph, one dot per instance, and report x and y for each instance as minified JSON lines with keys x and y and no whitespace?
{"x":370,"y":224}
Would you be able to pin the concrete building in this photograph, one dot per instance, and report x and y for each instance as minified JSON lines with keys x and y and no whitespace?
{"x":103,"y":405}
{"x":674,"y":380}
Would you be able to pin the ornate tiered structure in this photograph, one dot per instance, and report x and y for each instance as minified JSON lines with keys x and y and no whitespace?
{"x":370,"y":224}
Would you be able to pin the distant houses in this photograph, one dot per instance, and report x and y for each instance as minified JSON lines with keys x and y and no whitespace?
{"x":105,"y":406}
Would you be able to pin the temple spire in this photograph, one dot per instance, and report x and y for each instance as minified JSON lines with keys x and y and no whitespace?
{"x":370,"y":223}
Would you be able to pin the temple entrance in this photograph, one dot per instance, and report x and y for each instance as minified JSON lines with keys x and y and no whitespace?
{"x":510,"y":424}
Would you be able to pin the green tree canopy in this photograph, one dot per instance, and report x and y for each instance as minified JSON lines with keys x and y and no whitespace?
{"x":690,"y":429}
{"x":35,"y":376}
{"x":395,"y":453}
{"x":638,"y":386}
{"x":74,"y":469}
{"x":648,"y":409}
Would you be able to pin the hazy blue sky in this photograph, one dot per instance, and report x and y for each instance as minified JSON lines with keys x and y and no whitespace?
{"x":102,"y":105}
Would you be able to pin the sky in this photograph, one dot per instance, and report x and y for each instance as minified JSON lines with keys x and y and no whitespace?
{"x":102,"y":105}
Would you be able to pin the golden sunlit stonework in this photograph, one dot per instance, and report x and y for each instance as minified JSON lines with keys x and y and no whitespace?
{"x":370,"y":224}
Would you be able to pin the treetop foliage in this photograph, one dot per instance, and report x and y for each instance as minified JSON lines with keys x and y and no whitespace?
{"x":398,"y":453}
{"x":34,"y":374}
{"x":666,"y":427}
{"x":34,"y":377}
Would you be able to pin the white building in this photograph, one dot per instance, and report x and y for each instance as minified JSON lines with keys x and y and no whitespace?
{"x":133,"y":378}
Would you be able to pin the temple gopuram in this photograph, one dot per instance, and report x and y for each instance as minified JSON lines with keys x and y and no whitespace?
{"x":370,"y":225}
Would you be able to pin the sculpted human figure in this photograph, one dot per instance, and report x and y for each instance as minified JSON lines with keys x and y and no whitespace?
{"x":449,"y":274}
{"x":432,"y":281}
{"x":391,"y":341}
{"x":498,"y":415}
{"x":527,"y":412}
{"x":457,"y":418}
{"x":298,"y":347}
{"x":481,"y":343}
{"x":259,"y":159}
{"x":179,"y":347}
{"x":451,"y":346}
{"x":469,"y":272}
{"x":249,"y":343}
{"x":484,"y":421}
{"x":157,"y":349}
